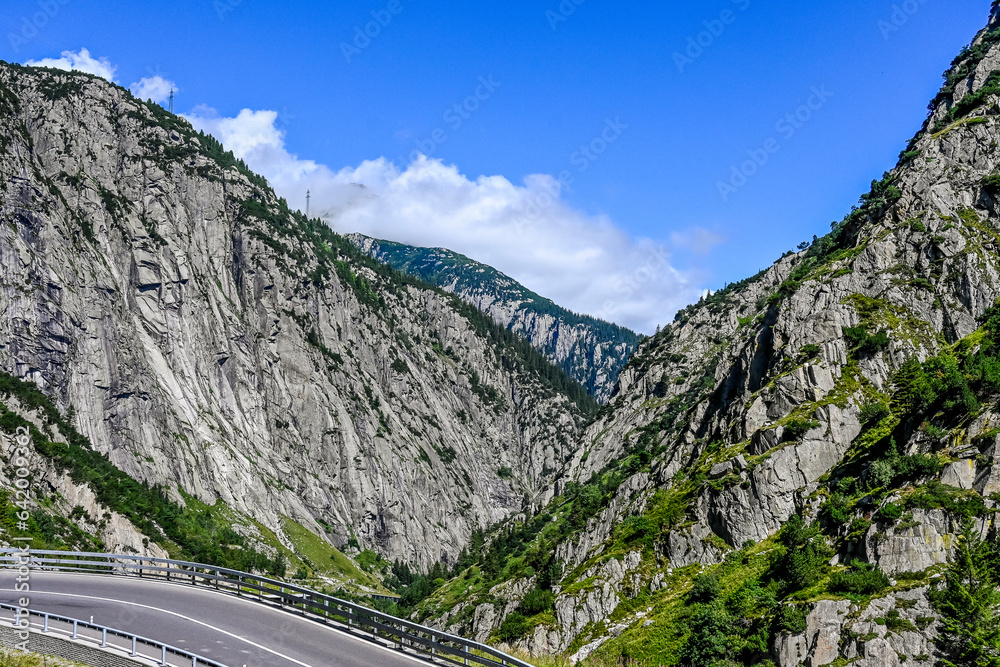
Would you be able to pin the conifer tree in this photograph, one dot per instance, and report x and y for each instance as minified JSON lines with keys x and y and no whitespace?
{"x":969,"y":603}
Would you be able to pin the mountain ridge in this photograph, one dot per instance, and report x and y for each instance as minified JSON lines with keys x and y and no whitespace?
{"x":589,"y":350}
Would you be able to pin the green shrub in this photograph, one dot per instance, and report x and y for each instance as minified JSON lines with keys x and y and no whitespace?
{"x":537,"y":602}
{"x":796,"y":427}
{"x":991,"y":185}
{"x":971,"y":101}
{"x":750,"y":598}
{"x":448,"y":454}
{"x":935,"y":495}
{"x":808,"y":352}
{"x":917,"y":466}
{"x":705,"y":589}
{"x":864,"y":343}
{"x":837,"y":509}
{"x":513,"y":627}
{"x":861,"y":579}
{"x":858,"y":529}
{"x":791,"y":619}
{"x":880,"y":474}
{"x":890,"y":512}
{"x":935,"y":431}
{"x":874,"y":412}
{"x":635,"y":528}
{"x":804,"y":556}
{"x":894,"y":622}
{"x":709,"y":643}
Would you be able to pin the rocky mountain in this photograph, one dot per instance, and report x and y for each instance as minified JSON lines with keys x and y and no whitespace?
{"x":786,"y":470}
{"x":254,"y":366}
{"x":589,"y":350}
{"x":786,"y":474}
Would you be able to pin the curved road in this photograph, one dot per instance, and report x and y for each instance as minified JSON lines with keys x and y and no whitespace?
{"x":215,"y":625}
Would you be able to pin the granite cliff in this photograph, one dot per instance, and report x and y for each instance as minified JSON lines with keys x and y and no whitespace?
{"x":591,"y":351}
{"x":209,"y":340}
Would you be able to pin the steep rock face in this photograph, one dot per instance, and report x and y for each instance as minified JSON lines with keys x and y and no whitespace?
{"x":209,"y":338}
{"x":591,"y":351}
{"x":756,"y":405}
{"x":30,"y":479}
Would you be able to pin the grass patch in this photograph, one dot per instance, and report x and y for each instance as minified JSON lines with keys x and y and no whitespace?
{"x":325,"y":560}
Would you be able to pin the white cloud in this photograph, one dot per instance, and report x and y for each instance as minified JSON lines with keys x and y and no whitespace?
{"x":696,"y":240}
{"x":81,"y":62}
{"x":583,"y":262}
{"x":154,"y":88}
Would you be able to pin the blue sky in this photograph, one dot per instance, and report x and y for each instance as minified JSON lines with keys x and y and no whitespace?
{"x":641,"y":215}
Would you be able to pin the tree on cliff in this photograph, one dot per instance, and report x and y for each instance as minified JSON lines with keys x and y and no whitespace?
{"x":969,"y":603}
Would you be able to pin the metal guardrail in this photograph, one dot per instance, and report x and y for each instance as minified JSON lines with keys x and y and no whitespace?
{"x":304,"y":602}
{"x":134,"y":641}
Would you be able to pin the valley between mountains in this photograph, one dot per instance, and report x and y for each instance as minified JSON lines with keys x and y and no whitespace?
{"x":787,"y":474}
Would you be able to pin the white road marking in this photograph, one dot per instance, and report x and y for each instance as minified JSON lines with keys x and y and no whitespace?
{"x":174,"y":613}
{"x":338,"y":631}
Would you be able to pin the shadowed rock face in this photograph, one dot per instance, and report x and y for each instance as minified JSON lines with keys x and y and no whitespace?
{"x":591,"y":351}
{"x":208,"y":338}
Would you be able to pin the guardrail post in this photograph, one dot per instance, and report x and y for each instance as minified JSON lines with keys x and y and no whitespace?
{"x":465,"y":650}
{"x":239,"y":585}
{"x":164,"y":656}
{"x":133,"y":646}
{"x":104,"y":637}
{"x":218,"y":575}
{"x":75,"y":623}
{"x":45,"y":628}
{"x":17,"y":617}
{"x":194,"y":661}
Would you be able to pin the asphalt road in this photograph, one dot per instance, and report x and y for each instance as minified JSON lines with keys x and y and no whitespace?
{"x":215,"y":625}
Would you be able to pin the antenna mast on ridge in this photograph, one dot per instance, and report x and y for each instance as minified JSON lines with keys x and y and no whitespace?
{"x":308,"y":197}
{"x":172,"y":92}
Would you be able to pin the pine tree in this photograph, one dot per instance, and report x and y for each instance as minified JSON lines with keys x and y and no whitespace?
{"x":969,"y":604}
